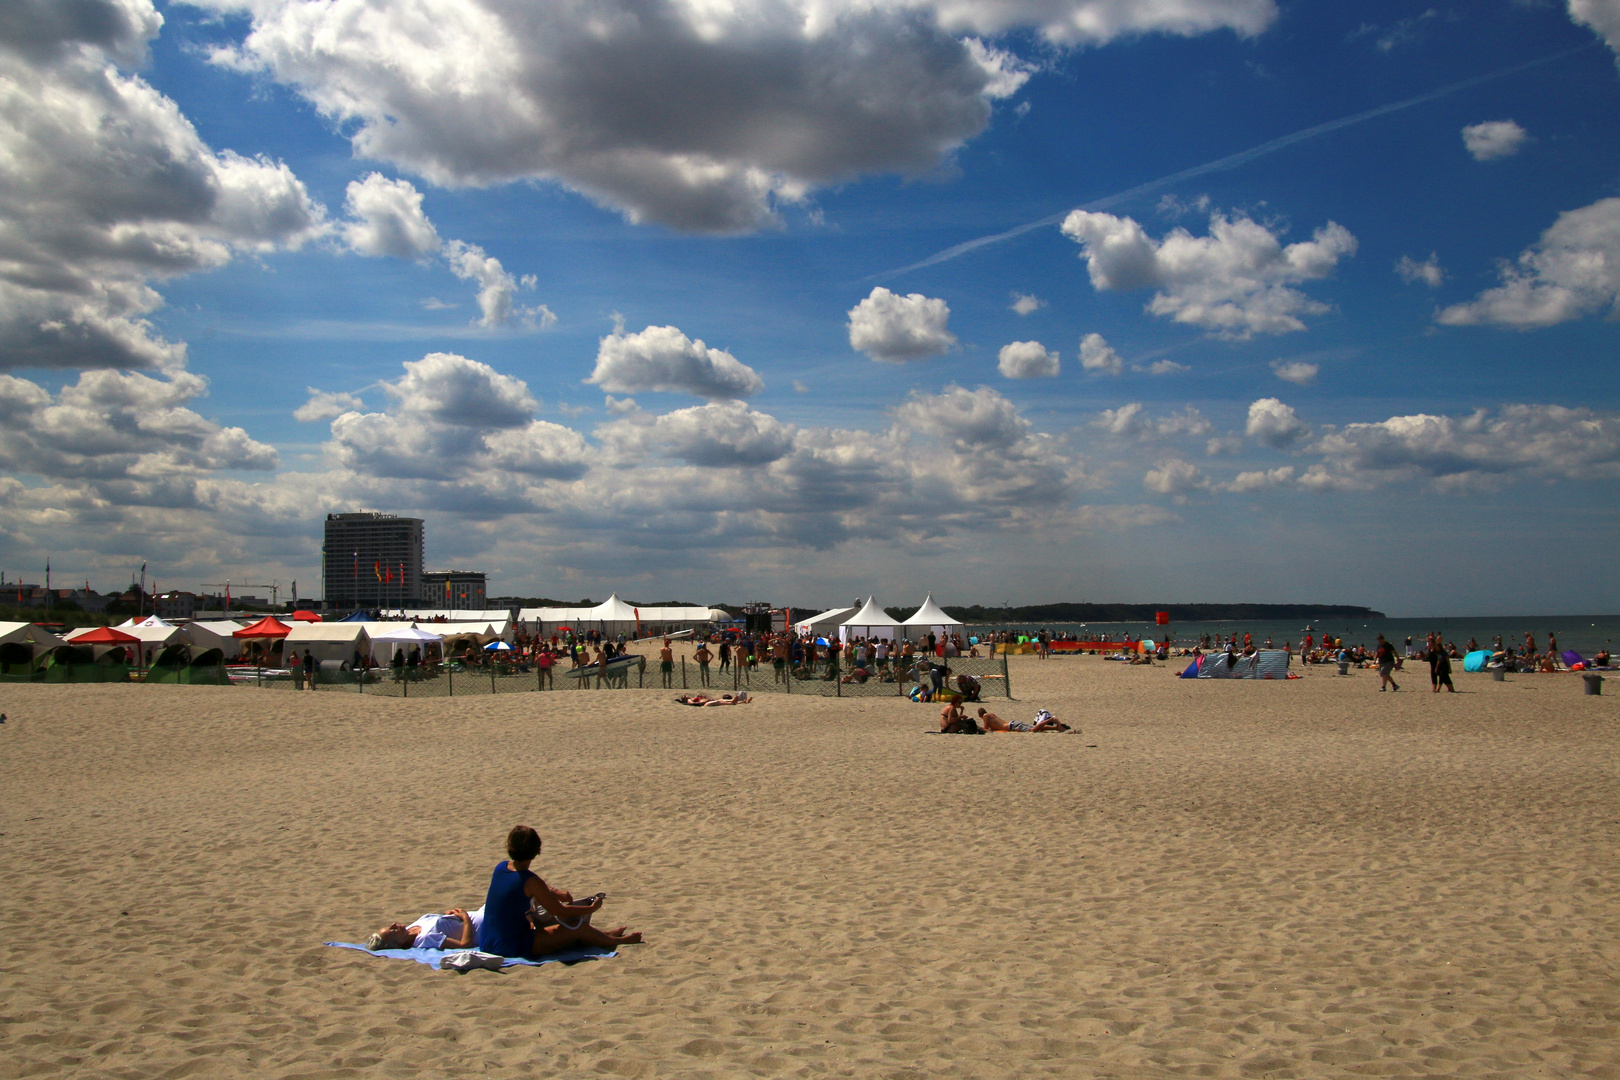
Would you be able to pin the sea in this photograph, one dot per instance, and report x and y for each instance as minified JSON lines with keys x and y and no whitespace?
{"x":1585,"y":634}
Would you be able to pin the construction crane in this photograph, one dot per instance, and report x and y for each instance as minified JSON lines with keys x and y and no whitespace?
{"x":274,"y":587}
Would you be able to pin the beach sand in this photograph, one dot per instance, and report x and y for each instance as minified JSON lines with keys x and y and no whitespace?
{"x":1213,"y":879}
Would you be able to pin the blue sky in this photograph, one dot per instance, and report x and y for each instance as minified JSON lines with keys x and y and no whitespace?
{"x":626,"y":295}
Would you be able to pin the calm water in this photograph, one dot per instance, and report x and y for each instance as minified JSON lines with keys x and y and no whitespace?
{"x":1583,"y":633}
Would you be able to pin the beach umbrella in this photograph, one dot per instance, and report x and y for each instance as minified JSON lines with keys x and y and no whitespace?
{"x":497,"y":646}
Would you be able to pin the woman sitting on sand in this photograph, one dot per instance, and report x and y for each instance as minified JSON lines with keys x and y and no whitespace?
{"x":458,"y":929}
{"x":507,"y":930}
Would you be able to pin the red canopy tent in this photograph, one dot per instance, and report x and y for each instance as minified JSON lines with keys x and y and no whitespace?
{"x":105,"y":635}
{"x":267,"y":627}
{"x":305,"y":616}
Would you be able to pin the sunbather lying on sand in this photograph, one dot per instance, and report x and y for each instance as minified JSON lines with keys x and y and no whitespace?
{"x":458,"y":929}
{"x":704,"y":701}
{"x":1044,"y":721}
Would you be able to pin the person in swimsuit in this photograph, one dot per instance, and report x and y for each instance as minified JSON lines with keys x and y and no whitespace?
{"x":666,"y":663}
{"x":513,"y":889}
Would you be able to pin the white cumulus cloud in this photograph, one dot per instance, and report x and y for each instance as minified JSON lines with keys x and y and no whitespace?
{"x":1494,"y":139}
{"x":1298,"y":372}
{"x":1027,"y":360}
{"x":896,"y":329}
{"x":326,"y":404}
{"x":1603,"y":16}
{"x":1236,"y":282}
{"x":1262,"y":480}
{"x":1574,"y":270}
{"x":694,"y":115}
{"x":386,"y":218}
{"x":661,"y":358}
{"x":1275,"y":424}
{"x":1174,"y":476}
{"x":106,"y":190}
{"x":1026,"y":303}
{"x":1097,"y":355}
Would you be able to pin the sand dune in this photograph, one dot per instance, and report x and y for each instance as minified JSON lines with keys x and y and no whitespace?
{"x":1213,"y":879}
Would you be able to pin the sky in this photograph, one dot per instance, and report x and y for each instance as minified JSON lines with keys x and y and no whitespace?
{"x":797,"y":300}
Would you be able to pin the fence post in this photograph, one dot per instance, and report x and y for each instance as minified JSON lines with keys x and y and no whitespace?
{"x":1006,"y":679}
{"x":449,"y":682}
{"x":405,"y":681}
{"x":492,"y":677}
{"x":683,"y":672}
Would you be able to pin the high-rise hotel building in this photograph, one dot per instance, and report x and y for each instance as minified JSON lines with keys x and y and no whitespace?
{"x":372,"y":561}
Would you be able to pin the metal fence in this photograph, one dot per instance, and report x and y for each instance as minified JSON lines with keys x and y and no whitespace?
{"x":894,"y":680}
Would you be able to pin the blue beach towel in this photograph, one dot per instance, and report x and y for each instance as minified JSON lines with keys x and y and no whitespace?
{"x":432,"y":957}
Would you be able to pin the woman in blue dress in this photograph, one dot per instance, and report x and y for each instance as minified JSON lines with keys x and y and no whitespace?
{"x":513,"y":889}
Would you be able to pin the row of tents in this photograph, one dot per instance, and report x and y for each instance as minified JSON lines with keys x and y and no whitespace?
{"x":871,"y":621}
{"x":196,"y":651}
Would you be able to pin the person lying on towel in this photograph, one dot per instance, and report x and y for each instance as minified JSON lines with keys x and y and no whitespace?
{"x":513,"y":889}
{"x":1044,"y":721}
{"x":704,"y":701}
{"x":457,"y":929}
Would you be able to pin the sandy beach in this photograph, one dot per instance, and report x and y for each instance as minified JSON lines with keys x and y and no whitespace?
{"x":1212,"y":879}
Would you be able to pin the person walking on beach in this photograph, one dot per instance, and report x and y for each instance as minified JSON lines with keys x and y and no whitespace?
{"x":725,"y":654}
{"x":666,"y":663}
{"x":1384,"y":657}
{"x":703,"y":656}
{"x":309,"y":670}
{"x":544,"y":660}
{"x":1440,"y":667}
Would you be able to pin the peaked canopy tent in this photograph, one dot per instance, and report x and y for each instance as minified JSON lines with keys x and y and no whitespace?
{"x":931,"y":617}
{"x":385,"y":643}
{"x":155,"y":634}
{"x":21,"y":643}
{"x":613,"y":615}
{"x":264,"y":636}
{"x":301,"y":616}
{"x":825,"y":623}
{"x":213,"y":635}
{"x":104,"y":639}
{"x":869,"y":622}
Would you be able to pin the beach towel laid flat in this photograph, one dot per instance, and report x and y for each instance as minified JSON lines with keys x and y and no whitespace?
{"x":434,"y":958}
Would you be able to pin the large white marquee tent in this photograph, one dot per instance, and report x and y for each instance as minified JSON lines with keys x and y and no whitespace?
{"x":614,"y":615}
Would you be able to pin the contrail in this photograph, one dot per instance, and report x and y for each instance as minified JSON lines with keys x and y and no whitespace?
{"x":1231,"y":161}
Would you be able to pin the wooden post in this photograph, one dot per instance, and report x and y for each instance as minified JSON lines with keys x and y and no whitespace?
{"x":1006,"y":679}
{"x":683,"y":672}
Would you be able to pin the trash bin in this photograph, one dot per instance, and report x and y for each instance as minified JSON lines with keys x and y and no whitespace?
{"x":1499,"y":674}
{"x":1594,"y":685}
{"x":1344,"y":667}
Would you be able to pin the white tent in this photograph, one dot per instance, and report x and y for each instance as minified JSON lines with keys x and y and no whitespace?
{"x":153,"y":632}
{"x":825,"y":623}
{"x":398,"y":638}
{"x":35,"y":639}
{"x":869,"y":622}
{"x":613,"y":615}
{"x":328,"y":640}
{"x":931,"y":617}
{"x":214,"y":635}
